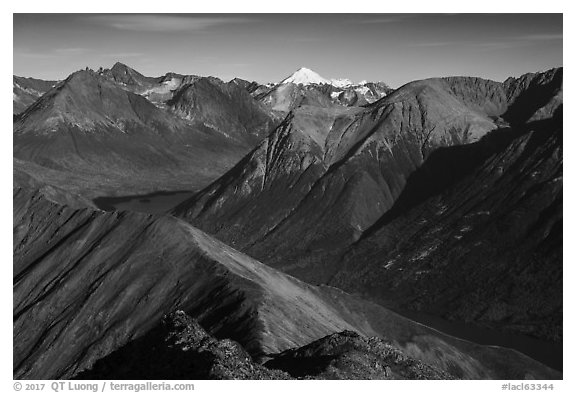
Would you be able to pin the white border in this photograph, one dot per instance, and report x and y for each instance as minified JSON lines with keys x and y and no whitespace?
{"x":370,"y":6}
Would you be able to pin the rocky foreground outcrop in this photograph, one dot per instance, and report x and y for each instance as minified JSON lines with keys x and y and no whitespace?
{"x":182,"y":349}
{"x":347,"y":355}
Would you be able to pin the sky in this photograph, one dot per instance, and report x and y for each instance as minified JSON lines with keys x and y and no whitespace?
{"x":393,"y":48}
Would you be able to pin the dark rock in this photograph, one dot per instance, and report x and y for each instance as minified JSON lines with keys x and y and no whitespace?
{"x":180,"y":349}
{"x":347,"y":355}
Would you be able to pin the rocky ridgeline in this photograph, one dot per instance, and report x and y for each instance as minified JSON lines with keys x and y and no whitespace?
{"x":222,"y":359}
{"x":347,"y":355}
{"x":182,"y":349}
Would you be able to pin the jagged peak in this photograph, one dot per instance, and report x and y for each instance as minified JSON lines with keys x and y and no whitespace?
{"x":127,"y":75}
{"x":118,"y":66}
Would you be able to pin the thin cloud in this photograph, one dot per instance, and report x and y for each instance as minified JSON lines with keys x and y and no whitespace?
{"x":162,"y":23}
{"x":498,"y":45}
{"x":385,"y":19}
{"x":540,"y":37}
{"x":509,"y":42}
{"x":71,"y":51}
{"x":52,"y":53}
{"x":31,"y":55}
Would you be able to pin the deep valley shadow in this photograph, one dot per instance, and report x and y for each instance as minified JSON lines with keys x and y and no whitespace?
{"x":154,"y":203}
{"x":448,"y":165}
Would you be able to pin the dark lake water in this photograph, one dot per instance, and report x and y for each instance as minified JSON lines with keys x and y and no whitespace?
{"x":543,"y":351}
{"x":154,"y":203}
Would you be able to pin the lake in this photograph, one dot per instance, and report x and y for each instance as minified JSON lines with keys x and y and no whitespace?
{"x":545,"y":352}
{"x":154,"y":203}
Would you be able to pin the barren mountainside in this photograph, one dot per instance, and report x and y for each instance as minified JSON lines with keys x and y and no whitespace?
{"x":344,"y":197}
{"x":88,"y":282}
{"x":354,"y":161}
{"x":88,"y":127}
{"x":184,"y":227}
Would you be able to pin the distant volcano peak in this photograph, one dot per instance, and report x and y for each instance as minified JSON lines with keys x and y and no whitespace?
{"x":305,"y":76}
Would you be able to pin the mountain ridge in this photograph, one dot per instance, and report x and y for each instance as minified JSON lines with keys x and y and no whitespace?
{"x":297,"y":202}
{"x":323,"y":218}
{"x":87,"y":282}
{"x":90,"y":127}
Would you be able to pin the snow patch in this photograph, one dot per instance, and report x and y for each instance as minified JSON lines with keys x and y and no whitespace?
{"x":335,"y":94}
{"x":341,"y":82}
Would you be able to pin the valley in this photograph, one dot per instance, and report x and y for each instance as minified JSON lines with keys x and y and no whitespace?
{"x":312,"y":228}
{"x":155,"y":203}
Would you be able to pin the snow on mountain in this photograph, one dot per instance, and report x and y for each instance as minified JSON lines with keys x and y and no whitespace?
{"x":362,"y":90}
{"x":305,"y":76}
{"x":343,"y":82}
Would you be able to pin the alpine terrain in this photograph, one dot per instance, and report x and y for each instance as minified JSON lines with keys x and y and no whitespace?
{"x":186,"y":227}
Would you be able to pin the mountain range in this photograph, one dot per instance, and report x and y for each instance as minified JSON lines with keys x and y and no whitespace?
{"x":324,"y":225}
{"x":27,"y":90}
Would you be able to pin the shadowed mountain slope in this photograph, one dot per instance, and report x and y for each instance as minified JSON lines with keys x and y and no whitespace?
{"x":532,"y":96}
{"x":250,"y":87}
{"x":89,"y":128}
{"x":416,"y":189}
{"x":325,"y":175}
{"x":227,"y":108}
{"x":88,"y":282}
{"x":485,"y":248}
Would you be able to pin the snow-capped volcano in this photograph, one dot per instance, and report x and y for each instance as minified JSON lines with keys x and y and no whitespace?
{"x":305,"y":76}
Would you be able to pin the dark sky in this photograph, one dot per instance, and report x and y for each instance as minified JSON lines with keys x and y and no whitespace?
{"x":394,"y":48}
